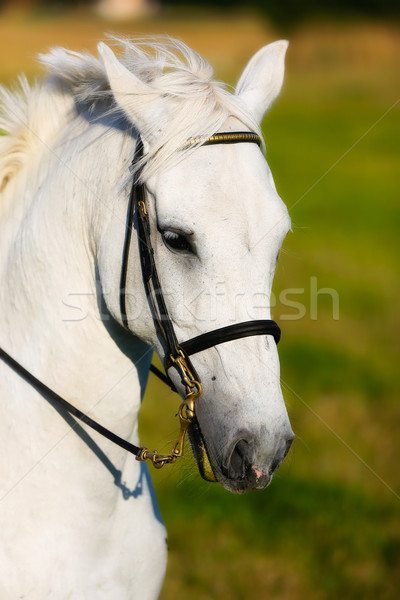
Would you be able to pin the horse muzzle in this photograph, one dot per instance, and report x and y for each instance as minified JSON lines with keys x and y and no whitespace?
{"x":248,"y":464}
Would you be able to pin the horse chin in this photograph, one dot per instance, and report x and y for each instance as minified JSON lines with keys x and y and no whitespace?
{"x":251,"y":482}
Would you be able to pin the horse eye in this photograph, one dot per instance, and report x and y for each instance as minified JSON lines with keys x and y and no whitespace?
{"x":176,"y":241}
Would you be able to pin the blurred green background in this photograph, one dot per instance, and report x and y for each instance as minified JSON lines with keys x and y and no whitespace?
{"x":328,"y":526}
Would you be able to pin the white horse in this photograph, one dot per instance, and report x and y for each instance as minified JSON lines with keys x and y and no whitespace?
{"x":78,"y":517}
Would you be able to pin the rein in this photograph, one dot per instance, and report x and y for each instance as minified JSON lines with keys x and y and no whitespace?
{"x":177,"y":354}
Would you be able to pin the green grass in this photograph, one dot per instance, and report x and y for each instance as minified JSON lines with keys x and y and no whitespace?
{"x":328,"y":526}
{"x":304,"y":522}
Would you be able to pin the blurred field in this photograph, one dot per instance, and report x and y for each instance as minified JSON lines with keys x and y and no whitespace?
{"x":328,"y":526}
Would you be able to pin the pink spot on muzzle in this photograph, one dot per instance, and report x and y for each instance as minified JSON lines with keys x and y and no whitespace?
{"x":257,"y":472}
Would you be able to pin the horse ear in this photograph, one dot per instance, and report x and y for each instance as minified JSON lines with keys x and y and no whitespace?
{"x":261,"y":80}
{"x":126,"y":87}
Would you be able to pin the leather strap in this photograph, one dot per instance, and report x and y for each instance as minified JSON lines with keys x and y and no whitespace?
{"x":127,"y":242}
{"x":53,"y":397}
{"x":229,"y":333}
{"x":151,"y":282}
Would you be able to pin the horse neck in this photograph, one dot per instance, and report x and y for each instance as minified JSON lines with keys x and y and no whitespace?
{"x":52,"y":316}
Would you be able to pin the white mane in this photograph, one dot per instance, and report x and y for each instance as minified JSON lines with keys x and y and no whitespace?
{"x":178,"y":79}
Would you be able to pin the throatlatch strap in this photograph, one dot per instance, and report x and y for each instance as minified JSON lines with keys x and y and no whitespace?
{"x":128,"y":238}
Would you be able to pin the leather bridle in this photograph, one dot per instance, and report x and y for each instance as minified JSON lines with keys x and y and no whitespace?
{"x":176,"y":354}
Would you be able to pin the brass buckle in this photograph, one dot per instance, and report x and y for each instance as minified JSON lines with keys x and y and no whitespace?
{"x":186,"y":413}
{"x":142,"y":207}
{"x":192,"y":385}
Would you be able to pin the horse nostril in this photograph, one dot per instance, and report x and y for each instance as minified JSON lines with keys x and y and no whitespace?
{"x":242,"y":463}
{"x":289,"y":443}
{"x":280,"y":455}
{"x":240,"y":460}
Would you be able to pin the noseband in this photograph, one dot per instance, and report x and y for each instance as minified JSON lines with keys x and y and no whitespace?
{"x":176,"y":354}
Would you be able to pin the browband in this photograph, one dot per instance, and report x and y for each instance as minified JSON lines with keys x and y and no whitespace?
{"x":234,"y":137}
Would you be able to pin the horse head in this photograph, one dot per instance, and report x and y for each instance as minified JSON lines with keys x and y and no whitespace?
{"x":217,"y":225}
